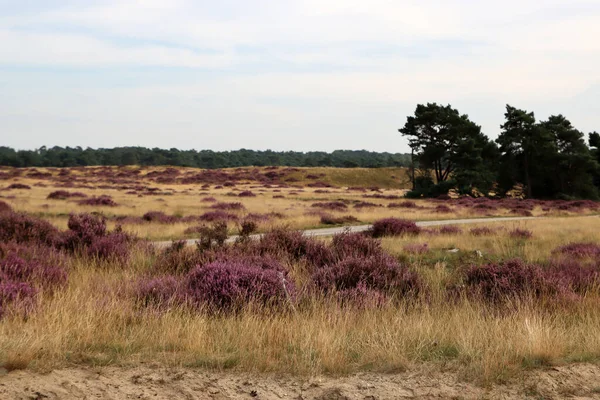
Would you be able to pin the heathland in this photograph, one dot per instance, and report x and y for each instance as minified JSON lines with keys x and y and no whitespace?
{"x":479,"y":307}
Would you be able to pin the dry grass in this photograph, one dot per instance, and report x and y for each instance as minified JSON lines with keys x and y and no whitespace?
{"x":94,"y":321}
{"x":295,"y":208}
{"x":548,"y":234}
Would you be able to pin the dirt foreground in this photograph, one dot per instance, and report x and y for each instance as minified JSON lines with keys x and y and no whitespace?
{"x":580,"y":381}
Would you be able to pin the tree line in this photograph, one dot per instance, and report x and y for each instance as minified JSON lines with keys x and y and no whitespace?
{"x":547,"y":159}
{"x":77,"y":156}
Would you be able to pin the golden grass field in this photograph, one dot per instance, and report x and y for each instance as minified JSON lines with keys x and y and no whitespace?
{"x":293,"y":210}
{"x":95,"y":322}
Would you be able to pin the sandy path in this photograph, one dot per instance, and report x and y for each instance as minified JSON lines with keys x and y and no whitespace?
{"x":362,"y":228}
{"x":580,"y":381}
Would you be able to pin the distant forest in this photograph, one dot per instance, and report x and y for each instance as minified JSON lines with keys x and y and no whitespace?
{"x":77,"y":156}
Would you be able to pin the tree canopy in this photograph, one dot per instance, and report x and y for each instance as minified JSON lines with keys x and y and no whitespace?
{"x":549,"y":159}
{"x":76,"y":156}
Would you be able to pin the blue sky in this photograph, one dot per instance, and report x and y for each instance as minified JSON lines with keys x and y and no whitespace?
{"x":285,"y":75}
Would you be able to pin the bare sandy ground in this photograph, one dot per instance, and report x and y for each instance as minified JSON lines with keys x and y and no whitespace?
{"x":581,"y":381}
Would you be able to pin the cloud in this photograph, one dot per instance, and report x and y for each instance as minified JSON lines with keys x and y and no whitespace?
{"x":287,"y":74}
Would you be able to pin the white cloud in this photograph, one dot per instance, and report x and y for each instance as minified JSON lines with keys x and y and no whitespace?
{"x":322,"y":71}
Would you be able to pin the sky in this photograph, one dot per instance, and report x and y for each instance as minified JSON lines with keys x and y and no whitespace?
{"x":286,"y":74}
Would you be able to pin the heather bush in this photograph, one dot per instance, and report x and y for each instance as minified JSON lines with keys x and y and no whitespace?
{"x":4,"y":207}
{"x":247,"y":228}
{"x":394,"y":227}
{"x":178,"y":259}
{"x":328,"y":219}
{"x":228,"y":206}
{"x":246,"y":193}
{"x":115,"y":247}
{"x":159,"y":216}
{"x":84,"y":229}
{"x":482,"y":231}
{"x":416,"y":248}
{"x":450,"y":230}
{"x":332,"y":205}
{"x":18,"y":186}
{"x":163,"y":291}
{"x":15,"y":295}
{"x":63,"y":195}
{"x":98,"y":201}
{"x":219,"y":215}
{"x":208,"y":200}
{"x":521,"y":234}
{"x":349,"y":244}
{"x":33,"y":271}
{"x":88,"y":235}
{"x":365,"y":204}
{"x":283,"y":243}
{"x":442,"y":209}
{"x":579,"y":250}
{"x":379,"y":272}
{"x":404,"y":204}
{"x":574,"y":275}
{"x":214,"y":235}
{"x":22,"y":228}
{"x":362,"y":297}
{"x":522,"y":213}
{"x":498,"y":282}
{"x":224,"y":286}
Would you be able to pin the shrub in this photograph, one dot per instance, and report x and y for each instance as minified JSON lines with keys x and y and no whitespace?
{"x":214,"y":216}
{"x":328,"y":219}
{"x":212,"y":235}
{"x":21,"y":228}
{"x":227,"y":286}
{"x":247,"y":228}
{"x":84,"y":229}
{"x":282,"y":243}
{"x":482,"y":231}
{"x":450,"y":230}
{"x":362,"y":297}
{"x":88,"y":234}
{"x":4,"y":207}
{"x":348,"y":244}
{"x":500,"y":281}
{"x":365,"y":204}
{"x":415,"y":248}
{"x":161,"y":291}
{"x":521,"y":234}
{"x":246,"y":193}
{"x":579,"y":250}
{"x":523,"y":213}
{"x":575,"y":276}
{"x":332,"y":205}
{"x":33,"y":271}
{"x":208,"y":200}
{"x":18,"y":186}
{"x":63,"y":195}
{"x":394,"y":227}
{"x":178,"y":259}
{"x":380,"y":272}
{"x":228,"y":206}
{"x":98,"y":201}
{"x":159,"y":216}
{"x":115,"y":247}
{"x":404,"y":204}
{"x":15,"y":294}
{"x":443,"y":209}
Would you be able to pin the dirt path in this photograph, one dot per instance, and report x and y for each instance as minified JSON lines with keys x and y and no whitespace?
{"x":362,"y":228}
{"x":580,"y":381}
